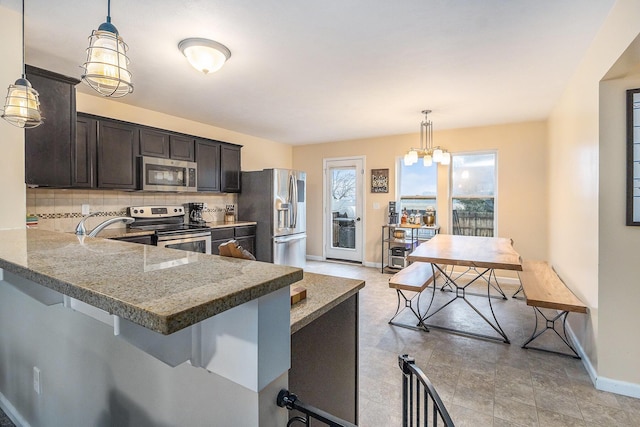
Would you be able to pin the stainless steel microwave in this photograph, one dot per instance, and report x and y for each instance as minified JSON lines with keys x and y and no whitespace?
{"x":167,"y":175}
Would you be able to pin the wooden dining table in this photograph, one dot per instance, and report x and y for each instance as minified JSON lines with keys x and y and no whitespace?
{"x":482,"y":255}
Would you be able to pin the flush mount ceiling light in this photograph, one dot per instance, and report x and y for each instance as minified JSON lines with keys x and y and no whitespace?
{"x":22,"y":106}
{"x":427,"y":151}
{"x":204,"y":55}
{"x":106,"y":69}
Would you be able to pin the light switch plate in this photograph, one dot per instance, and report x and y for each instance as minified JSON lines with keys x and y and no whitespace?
{"x":85,"y":209}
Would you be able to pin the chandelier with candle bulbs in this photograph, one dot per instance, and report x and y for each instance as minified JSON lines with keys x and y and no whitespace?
{"x":427,"y":152}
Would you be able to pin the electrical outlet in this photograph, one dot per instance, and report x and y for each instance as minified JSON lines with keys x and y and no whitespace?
{"x":85,"y":209}
{"x":37,"y":386}
{"x":204,"y":206}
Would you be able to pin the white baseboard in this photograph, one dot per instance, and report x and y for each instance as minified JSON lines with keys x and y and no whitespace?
{"x":618,"y":387}
{"x":12,"y":413}
{"x":602,"y":383}
{"x":364,"y":263}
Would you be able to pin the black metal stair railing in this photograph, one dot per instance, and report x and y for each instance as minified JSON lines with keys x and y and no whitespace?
{"x":420,"y":400}
{"x":290,"y":401}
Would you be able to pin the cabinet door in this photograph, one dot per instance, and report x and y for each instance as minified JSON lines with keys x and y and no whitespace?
{"x":83,"y":160}
{"x":208,"y":159}
{"x":230,"y":168}
{"x":48,"y":147}
{"x":117,"y":153}
{"x":181,"y":148}
{"x":154,"y":143}
{"x":248,"y":243}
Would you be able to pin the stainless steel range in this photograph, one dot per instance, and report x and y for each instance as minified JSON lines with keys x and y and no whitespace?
{"x":171,"y":231}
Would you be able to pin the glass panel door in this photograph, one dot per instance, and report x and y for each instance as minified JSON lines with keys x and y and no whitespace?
{"x":344,"y":206}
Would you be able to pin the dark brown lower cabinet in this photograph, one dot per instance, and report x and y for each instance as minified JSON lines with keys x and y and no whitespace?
{"x":145,"y":240}
{"x":245,"y":235}
{"x":324,"y":362}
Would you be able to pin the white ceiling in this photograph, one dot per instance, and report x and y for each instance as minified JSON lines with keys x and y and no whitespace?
{"x":305,"y":72}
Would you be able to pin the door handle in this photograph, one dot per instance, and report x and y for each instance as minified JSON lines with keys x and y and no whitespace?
{"x":358,"y":219}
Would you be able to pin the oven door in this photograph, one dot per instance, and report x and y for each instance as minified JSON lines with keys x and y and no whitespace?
{"x":194,"y":242}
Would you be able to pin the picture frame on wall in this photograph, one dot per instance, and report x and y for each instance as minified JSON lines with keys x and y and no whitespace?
{"x":379,"y":180}
{"x":633,"y":157}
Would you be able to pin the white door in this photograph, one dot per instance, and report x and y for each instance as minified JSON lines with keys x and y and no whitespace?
{"x":343,"y":208}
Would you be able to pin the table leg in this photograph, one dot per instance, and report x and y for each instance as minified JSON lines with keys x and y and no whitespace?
{"x":460,"y":293}
{"x":495,"y":286}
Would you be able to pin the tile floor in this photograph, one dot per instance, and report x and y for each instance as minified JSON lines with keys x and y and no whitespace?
{"x":482,"y":383}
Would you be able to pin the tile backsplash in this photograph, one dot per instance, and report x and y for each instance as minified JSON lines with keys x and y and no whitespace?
{"x":60,"y":210}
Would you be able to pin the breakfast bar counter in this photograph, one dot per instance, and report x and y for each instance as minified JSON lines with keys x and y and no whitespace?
{"x":164,"y":290}
{"x":323,"y":294}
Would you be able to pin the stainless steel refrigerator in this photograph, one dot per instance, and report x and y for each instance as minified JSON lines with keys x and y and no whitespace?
{"x":275,"y":199}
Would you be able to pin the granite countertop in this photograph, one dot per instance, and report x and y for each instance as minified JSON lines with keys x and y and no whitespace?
{"x":323,"y":293}
{"x":164,"y":290}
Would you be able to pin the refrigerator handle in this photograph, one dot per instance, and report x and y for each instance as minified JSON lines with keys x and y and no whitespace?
{"x":293,"y":199}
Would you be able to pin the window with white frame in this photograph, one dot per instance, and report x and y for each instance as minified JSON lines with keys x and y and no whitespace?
{"x":417,"y":187}
{"x":473,"y":193}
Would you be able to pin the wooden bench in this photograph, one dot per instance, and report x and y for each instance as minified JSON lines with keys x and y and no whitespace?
{"x":414,"y":278}
{"x":544,"y":289}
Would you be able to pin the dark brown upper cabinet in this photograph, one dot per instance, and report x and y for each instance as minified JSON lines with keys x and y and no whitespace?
{"x":182,"y":148}
{"x":118,"y":148}
{"x":154,"y":143}
{"x":83,"y":161}
{"x":49,"y":147}
{"x":157,"y":143}
{"x":208,"y":160}
{"x":230,"y":168}
{"x":79,"y":150}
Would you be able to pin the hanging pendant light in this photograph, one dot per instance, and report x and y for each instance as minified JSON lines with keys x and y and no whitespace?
{"x":22,"y":105}
{"x":427,"y":152}
{"x":106,"y":69}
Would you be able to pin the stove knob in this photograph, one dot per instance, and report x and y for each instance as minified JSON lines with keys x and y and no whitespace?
{"x":135,"y":211}
{"x":175,"y":210}
{"x":141,"y":211}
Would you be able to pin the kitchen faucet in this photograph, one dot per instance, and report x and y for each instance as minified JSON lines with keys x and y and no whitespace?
{"x":82,"y":231}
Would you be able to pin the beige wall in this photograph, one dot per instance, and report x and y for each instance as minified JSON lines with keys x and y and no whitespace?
{"x":257,"y":153}
{"x":618,"y":290}
{"x":588,"y":242}
{"x":522,"y":183}
{"x":12,"y":195}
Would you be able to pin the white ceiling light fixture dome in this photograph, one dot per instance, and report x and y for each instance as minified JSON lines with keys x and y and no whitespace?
{"x":107,"y":67}
{"x":206,"y":56}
